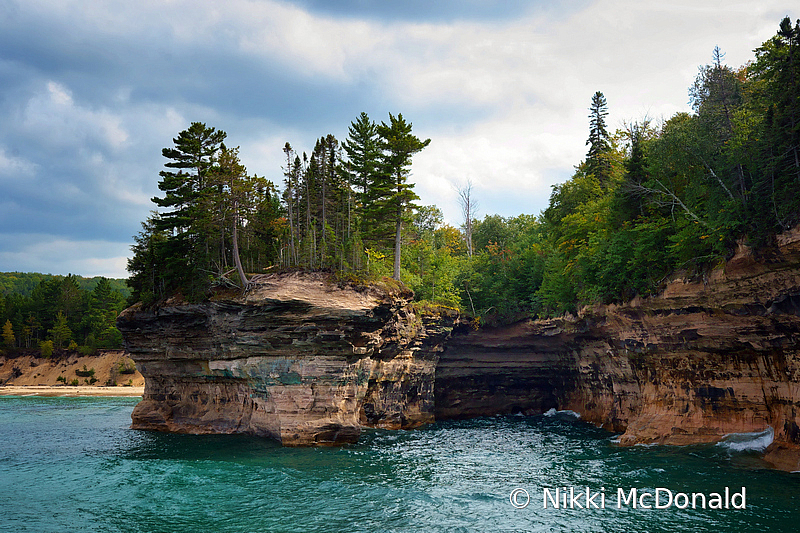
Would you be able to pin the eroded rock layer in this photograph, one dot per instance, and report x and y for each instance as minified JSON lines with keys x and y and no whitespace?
{"x":705,"y":359}
{"x":305,"y":361}
{"x":297,"y":358}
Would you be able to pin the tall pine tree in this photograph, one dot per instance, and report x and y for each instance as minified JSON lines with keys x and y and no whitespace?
{"x":597,"y":163}
{"x":187,"y":251}
{"x":395,"y":193}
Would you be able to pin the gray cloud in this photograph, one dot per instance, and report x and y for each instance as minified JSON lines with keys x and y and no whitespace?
{"x":439,"y":11}
{"x":91,"y":91}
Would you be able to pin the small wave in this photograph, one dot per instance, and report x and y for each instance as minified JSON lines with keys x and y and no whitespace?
{"x":748,"y":442}
{"x":566,"y":413}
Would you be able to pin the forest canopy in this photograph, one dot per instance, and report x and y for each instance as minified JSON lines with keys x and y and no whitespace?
{"x":649,"y":199}
{"x":40,"y":312}
{"x":218,"y":224}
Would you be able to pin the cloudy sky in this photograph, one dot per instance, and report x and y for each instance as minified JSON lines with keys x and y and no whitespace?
{"x":92,"y":90}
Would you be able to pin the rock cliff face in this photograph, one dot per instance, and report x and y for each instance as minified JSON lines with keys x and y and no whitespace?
{"x":704,"y":359}
{"x":304,"y":361}
{"x":297,"y":359}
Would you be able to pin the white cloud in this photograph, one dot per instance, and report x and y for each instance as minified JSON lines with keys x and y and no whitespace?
{"x":52,"y":116}
{"x":52,"y":254}
{"x":13,"y":166}
{"x":505,"y":102}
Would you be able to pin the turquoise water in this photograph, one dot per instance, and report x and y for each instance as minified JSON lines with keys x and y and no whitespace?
{"x":72,"y":464}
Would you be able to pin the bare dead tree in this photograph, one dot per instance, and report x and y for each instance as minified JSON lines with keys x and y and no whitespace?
{"x":663,"y":196}
{"x":469,"y":207}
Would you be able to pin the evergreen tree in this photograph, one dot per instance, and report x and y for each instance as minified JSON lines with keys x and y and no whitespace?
{"x":291,"y":182}
{"x":597,"y":163}
{"x":8,"y":334}
{"x":147,"y":280}
{"x":776,"y":72}
{"x":395,"y":193}
{"x":60,"y":332}
{"x":187,"y":249}
{"x":363,"y":153}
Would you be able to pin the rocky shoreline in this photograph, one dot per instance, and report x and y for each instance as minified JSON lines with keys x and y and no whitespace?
{"x":297,"y":358}
{"x":306,"y":361}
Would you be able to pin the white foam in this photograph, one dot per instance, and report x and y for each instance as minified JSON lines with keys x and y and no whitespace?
{"x":566,"y":413}
{"x":748,"y":442}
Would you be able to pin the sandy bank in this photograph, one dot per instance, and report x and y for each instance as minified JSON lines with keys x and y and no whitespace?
{"x":133,"y":392}
{"x":107,"y":369}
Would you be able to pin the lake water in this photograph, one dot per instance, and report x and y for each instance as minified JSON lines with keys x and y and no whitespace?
{"x":72,"y":464}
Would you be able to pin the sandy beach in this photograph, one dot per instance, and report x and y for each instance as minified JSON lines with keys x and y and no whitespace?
{"x":64,"y":390}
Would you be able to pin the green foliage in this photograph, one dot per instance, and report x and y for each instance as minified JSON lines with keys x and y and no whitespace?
{"x":24,"y":283}
{"x":598,"y":164}
{"x":393,"y":196}
{"x":60,"y":332}
{"x":85,"y":372}
{"x":335,"y":213}
{"x":81,"y":314}
{"x":215,"y":219}
{"x":126,"y":367}
{"x":9,"y":339}
{"x":647,"y":202}
{"x":46,"y":349}
{"x":87,"y":350}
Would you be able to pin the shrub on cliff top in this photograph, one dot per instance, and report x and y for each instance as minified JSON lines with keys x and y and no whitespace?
{"x":46,"y":349}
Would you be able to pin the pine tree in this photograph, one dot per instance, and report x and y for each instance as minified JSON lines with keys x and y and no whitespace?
{"x":187,"y":251}
{"x":597,"y":163}
{"x":777,"y":73}
{"x":231,"y":203}
{"x":291,"y":183}
{"x":363,"y":153}
{"x":393,"y":190}
{"x":147,"y":281}
{"x":60,"y":331}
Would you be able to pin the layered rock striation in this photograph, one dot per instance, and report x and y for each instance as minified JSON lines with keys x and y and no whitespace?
{"x":306,"y":361}
{"x":705,"y":359}
{"x":297,"y":358}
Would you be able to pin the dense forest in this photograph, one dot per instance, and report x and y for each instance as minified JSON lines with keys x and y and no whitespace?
{"x":46,"y":313}
{"x":649,"y":199}
{"x":218,"y":224}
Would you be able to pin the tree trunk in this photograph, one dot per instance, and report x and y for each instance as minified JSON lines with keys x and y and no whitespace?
{"x":236,"y":258}
{"x":398,"y":229}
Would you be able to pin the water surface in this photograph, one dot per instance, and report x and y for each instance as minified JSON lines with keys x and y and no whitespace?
{"x":72,"y":464}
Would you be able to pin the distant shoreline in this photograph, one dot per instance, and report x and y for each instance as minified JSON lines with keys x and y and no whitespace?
{"x":64,"y":390}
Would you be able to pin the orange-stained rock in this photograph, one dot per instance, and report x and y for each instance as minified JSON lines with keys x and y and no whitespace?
{"x":706,"y":358}
{"x":306,"y":361}
{"x":297,"y":358}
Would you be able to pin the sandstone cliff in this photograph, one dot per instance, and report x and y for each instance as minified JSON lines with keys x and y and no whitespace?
{"x":305,"y":361}
{"x":704,"y":359}
{"x":296,"y":358}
